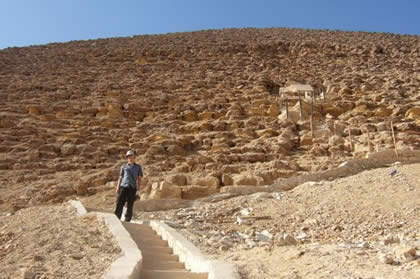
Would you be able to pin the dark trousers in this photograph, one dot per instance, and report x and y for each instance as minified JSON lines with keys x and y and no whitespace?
{"x":126,"y":195}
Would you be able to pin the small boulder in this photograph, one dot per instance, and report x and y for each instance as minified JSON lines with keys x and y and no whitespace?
{"x":287,"y":239}
{"x":386,"y":259}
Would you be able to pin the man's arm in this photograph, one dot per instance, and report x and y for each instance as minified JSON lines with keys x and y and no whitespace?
{"x":139,"y":183}
{"x":139,"y":178}
{"x":119,"y":179}
{"x":118,"y":185}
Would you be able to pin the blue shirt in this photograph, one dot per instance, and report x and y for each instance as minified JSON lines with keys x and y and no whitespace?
{"x":130,"y":174}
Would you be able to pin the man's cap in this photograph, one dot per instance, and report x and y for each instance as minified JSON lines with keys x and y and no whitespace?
{"x":130,"y":153}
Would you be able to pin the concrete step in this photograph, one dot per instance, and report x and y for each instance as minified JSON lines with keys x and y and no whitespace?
{"x":150,"y":242}
{"x":157,"y":249}
{"x":171,"y":274}
{"x":159,"y":256}
{"x":146,"y":236}
{"x":163,"y":265}
{"x":138,"y":227}
{"x":90,"y":209}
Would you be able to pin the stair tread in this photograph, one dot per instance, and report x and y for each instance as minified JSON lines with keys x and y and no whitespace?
{"x":171,"y":270}
{"x":173,"y":273}
{"x":159,"y":266}
{"x":160,"y":256}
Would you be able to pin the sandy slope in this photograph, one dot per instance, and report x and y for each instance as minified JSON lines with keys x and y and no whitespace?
{"x":52,"y":242}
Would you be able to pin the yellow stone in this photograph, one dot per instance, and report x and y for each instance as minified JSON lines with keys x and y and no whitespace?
{"x":383,"y":112}
{"x":413,"y":113}
{"x":33,"y":110}
{"x":273,"y":110}
{"x":205,"y":115}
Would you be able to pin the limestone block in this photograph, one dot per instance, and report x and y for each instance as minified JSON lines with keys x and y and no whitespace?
{"x":193,"y":192}
{"x":209,"y":181}
{"x":306,"y":139}
{"x":189,"y":116}
{"x":383,"y":112}
{"x":178,"y":179}
{"x":68,"y":149}
{"x":175,"y":149}
{"x":114,"y":110}
{"x":253,"y":157}
{"x":227,"y":179}
{"x":247,"y":179}
{"x":267,"y":133}
{"x":205,"y":115}
{"x":256,"y":111}
{"x":336,"y":140}
{"x":273,"y":110}
{"x":164,"y":190}
{"x":363,"y":110}
{"x":413,"y":113}
{"x":81,"y":187}
{"x":47,"y":117}
{"x":33,"y":110}
{"x":332,"y":110}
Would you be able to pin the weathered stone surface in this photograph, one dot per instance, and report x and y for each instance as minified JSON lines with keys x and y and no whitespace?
{"x":203,"y":104}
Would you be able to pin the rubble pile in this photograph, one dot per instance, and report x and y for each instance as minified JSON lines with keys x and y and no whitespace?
{"x":372,"y":217}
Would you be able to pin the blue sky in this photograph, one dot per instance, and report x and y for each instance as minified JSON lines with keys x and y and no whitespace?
{"x":30,"y":22}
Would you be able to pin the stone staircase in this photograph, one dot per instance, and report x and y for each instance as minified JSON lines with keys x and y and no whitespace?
{"x":159,"y":262}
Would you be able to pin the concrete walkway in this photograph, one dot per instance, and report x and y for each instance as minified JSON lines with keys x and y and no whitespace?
{"x":159,"y":262}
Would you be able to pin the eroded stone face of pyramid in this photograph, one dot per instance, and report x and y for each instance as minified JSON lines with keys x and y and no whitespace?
{"x":203,"y":110}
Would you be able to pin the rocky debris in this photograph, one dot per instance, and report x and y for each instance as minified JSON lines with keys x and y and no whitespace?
{"x":350,"y":219}
{"x":287,"y":239}
{"x":264,"y":236}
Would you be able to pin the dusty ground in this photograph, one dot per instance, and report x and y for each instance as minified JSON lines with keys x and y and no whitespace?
{"x":363,"y":226}
{"x":52,"y":242}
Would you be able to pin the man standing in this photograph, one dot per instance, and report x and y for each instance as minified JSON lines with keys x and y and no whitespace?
{"x":128,"y":184}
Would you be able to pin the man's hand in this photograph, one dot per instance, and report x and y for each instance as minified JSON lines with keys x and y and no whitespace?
{"x":117,"y":190}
